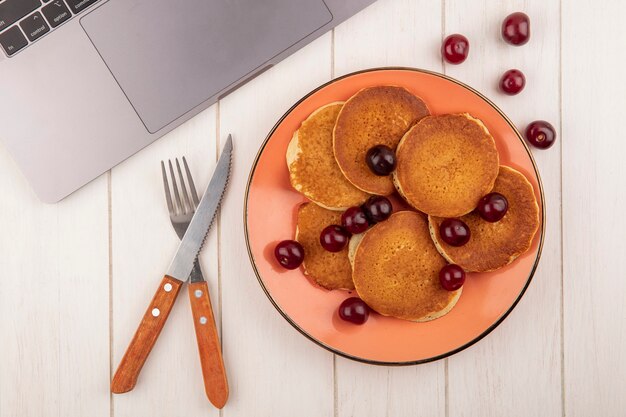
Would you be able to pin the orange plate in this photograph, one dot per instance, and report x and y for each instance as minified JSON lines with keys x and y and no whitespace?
{"x":270,"y":216}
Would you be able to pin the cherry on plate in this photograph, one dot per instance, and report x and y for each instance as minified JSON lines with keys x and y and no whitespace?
{"x":452,"y":277}
{"x":512,"y":82}
{"x":354,"y":220}
{"x":377,"y":208}
{"x":455,"y":49}
{"x":354,"y":310}
{"x":381,"y":160}
{"x":541,"y":134}
{"x":289,"y":254}
{"x":334,"y":238}
{"x":454,"y":232}
{"x":493,"y":207}
{"x":516,"y":29}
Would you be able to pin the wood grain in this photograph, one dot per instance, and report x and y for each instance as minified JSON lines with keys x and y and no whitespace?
{"x":594,"y":202}
{"x":145,"y":337}
{"x":395,"y":33}
{"x":273,"y":370}
{"x":143,"y":244}
{"x":54,"y":309}
{"x":523,"y":355}
{"x":209,"y":349}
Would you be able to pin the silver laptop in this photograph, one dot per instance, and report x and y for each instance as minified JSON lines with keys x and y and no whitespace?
{"x":86,"y":83}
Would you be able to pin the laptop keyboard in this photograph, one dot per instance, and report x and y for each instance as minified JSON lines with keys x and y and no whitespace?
{"x":24,"y":21}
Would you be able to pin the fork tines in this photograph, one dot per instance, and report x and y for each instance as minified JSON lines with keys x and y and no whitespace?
{"x":189,"y":202}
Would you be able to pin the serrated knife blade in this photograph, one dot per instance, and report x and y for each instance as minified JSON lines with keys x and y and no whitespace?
{"x":196,"y":233}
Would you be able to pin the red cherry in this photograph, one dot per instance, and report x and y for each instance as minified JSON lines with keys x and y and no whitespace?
{"x":452,"y":277}
{"x":512,"y":82}
{"x":516,"y":29}
{"x":492,"y":207}
{"x":541,"y":134}
{"x":289,"y":254}
{"x":334,"y":238}
{"x":381,"y":160}
{"x":454,"y":232}
{"x":377,"y":208}
{"x":354,"y":310}
{"x":354,"y":220}
{"x":455,"y":49}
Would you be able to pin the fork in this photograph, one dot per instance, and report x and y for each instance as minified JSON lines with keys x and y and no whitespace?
{"x":181,"y":211}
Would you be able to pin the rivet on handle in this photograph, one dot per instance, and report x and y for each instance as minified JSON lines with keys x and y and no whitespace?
{"x":198,"y":293}
{"x":167,"y":287}
{"x":156,"y":312}
{"x":203,"y":320}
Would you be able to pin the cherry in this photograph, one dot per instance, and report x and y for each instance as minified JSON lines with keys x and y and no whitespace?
{"x":451,"y":277}
{"x":377,"y":208}
{"x":334,"y":238}
{"x":354,"y":310}
{"x":512,"y":82}
{"x":381,"y":159}
{"x":541,"y":134}
{"x":454,"y":232}
{"x":493,"y":207}
{"x":354,"y":220}
{"x":455,"y":49}
{"x":289,"y":254}
{"x":516,"y":29}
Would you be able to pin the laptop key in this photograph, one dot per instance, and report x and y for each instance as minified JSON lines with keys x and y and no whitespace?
{"x":12,"y":40}
{"x":56,"y":13}
{"x":34,"y":26}
{"x":13,"y":10}
{"x":78,"y":6}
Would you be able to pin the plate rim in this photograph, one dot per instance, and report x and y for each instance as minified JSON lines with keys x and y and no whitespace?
{"x":358,"y":358}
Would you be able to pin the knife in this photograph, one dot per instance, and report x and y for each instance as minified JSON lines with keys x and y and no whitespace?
{"x":180,"y":269}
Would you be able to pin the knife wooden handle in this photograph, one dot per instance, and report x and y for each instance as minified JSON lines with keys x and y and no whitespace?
{"x":146,"y":335}
{"x":213,"y":372}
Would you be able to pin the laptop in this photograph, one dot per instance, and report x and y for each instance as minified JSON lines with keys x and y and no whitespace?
{"x":84,"y":84}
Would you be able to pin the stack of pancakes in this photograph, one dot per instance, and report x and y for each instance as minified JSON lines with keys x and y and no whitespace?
{"x":445,"y":165}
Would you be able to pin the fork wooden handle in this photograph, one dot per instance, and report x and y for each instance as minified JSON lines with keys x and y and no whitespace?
{"x":146,"y":335}
{"x":213,"y":372}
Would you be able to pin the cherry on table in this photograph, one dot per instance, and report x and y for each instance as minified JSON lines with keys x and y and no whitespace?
{"x":454,"y":232}
{"x":289,"y":254}
{"x":452,"y":277}
{"x":381,"y":160}
{"x":354,"y":310}
{"x":492,"y":207}
{"x":354,"y":220}
{"x":516,"y":28}
{"x":334,"y":238}
{"x":541,"y":134}
{"x":512,"y":82}
{"x":455,"y":49}
{"x":377,"y":208}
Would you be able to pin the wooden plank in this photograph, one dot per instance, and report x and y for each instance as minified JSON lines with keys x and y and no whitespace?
{"x":594,"y":180}
{"x":273,"y":369}
{"x":390,"y":33}
{"x":54,"y":305}
{"x":143,"y":243}
{"x":516,"y":370}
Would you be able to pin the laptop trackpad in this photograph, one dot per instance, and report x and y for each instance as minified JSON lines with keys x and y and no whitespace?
{"x":171,"y":55}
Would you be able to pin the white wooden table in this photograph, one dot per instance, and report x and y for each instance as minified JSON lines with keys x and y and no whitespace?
{"x":77,"y":275}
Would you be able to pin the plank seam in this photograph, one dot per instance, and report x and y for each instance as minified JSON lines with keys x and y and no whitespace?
{"x":562,"y":312}
{"x":110,"y":238}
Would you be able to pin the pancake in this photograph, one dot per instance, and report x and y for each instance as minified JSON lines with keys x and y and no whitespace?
{"x":445,"y":164}
{"x":330,"y":270}
{"x":373,"y":116}
{"x":313,"y":170}
{"x":396,"y":270}
{"x":494,"y":245}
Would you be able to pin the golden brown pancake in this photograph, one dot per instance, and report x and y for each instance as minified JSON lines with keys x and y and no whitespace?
{"x":313,"y":170}
{"x":331,"y":270}
{"x":396,"y":270}
{"x":494,"y":245}
{"x":373,"y":116}
{"x":445,"y":164}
